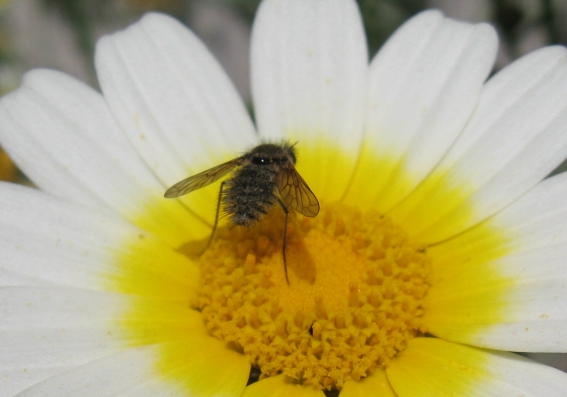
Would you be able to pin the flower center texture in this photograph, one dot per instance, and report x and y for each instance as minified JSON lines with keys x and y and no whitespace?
{"x":354,"y":298}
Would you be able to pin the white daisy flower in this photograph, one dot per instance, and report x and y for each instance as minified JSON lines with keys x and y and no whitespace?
{"x":437,"y":251}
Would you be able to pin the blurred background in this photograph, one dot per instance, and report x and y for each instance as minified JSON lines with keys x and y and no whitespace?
{"x":61,"y":34}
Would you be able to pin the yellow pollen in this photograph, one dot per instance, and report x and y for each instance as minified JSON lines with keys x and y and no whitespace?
{"x":355,"y":294}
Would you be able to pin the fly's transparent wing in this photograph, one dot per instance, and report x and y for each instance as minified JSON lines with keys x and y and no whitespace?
{"x":295,"y":192}
{"x":202,"y":179}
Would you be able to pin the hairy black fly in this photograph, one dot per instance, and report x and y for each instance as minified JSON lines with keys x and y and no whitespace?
{"x":264,"y":176}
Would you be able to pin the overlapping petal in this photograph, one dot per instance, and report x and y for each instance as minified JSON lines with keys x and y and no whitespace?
{"x":436,"y":368}
{"x":63,"y":136}
{"x":132,"y":373}
{"x":424,"y":84}
{"x":90,"y":288}
{"x":50,"y":241}
{"x":309,"y":67}
{"x":515,"y":137}
{"x":174,"y":102}
{"x":49,"y":330}
{"x":509,"y":296}
{"x":124,"y":373}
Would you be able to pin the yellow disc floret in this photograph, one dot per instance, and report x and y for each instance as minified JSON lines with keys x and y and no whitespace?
{"x":354,"y":298}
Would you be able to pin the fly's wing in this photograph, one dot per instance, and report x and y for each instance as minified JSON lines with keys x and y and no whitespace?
{"x":202,"y":179}
{"x":295,"y":192}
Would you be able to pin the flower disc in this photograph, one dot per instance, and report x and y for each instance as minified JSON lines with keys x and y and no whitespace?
{"x":356,"y":285}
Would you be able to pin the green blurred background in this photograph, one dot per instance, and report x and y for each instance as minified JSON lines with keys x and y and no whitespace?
{"x":61,"y":34}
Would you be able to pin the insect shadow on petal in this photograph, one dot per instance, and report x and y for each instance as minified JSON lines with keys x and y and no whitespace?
{"x":263,"y":176}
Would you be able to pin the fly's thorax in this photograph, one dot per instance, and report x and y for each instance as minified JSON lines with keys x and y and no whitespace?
{"x":271,"y":155}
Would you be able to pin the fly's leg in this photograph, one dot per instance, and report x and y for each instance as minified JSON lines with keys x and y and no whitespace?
{"x":284,"y":208}
{"x":216,"y":217}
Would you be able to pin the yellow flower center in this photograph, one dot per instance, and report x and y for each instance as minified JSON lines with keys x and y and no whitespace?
{"x":355,"y":293}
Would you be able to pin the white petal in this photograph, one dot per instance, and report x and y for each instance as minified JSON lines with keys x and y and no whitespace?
{"x":515,"y":137}
{"x":539,"y":218}
{"x":424,"y":85}
{"x":125,"y":373}
{"x":61,"y":325}
{"x":175,"y":103}
{"x":80,"y":253}
{"x":528,"y":278}
{"x":56,"y":326}
{"x":309,"y":67}
{"x":435,"y":368}
{"x":47,"y":331}
{"x":51,"y":330}
{"x":62,"y":135}
{"x":134,"y":372}
{"x":50,"y":241}
{"x":17,"y":379}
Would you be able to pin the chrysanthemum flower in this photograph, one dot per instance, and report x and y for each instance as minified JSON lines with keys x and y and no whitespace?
{"x":438,"y":248}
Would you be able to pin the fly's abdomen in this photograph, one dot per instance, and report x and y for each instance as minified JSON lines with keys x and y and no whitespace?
{"x":249,"y":194}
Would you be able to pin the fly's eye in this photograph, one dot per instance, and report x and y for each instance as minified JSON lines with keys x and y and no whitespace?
{"x":261,"y":161}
